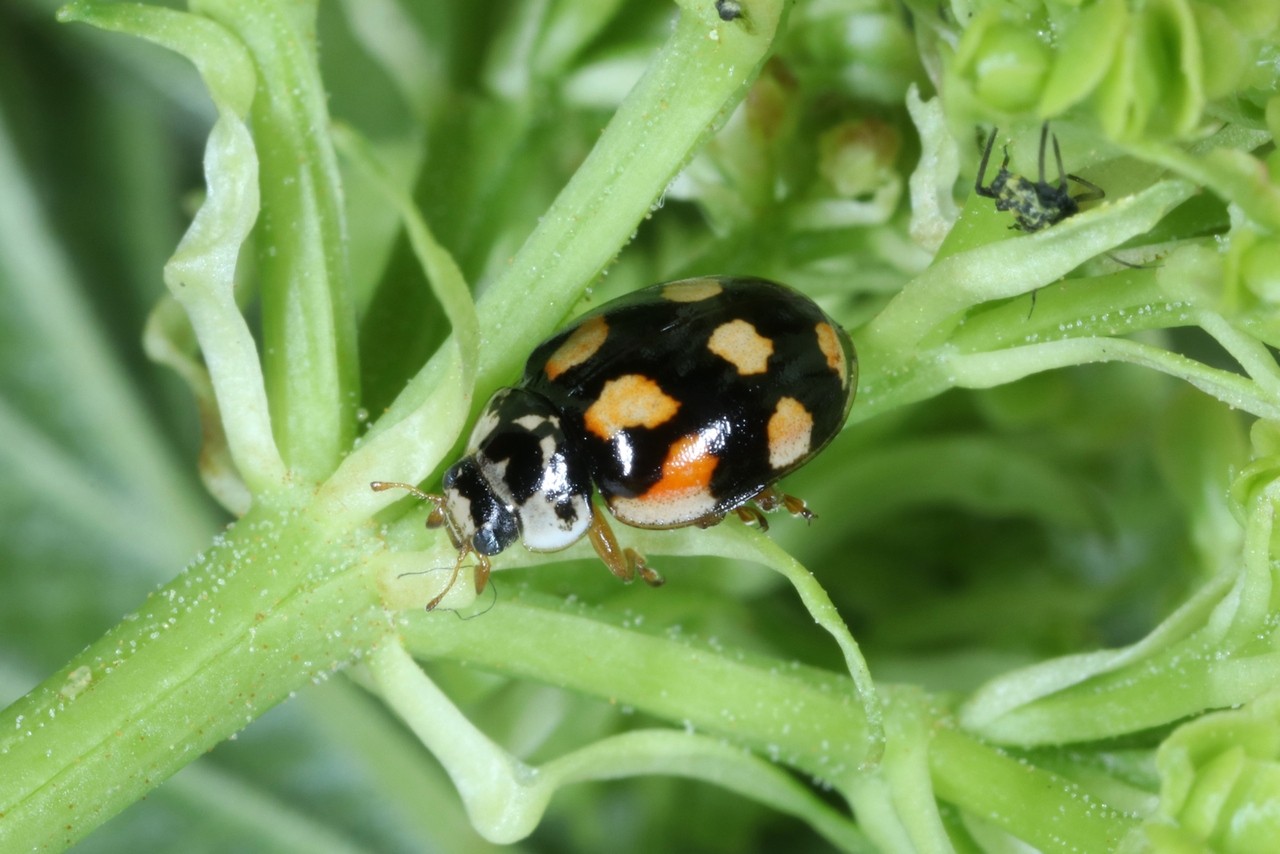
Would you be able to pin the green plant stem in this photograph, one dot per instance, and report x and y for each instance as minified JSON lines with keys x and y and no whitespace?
{"x":506,"y":797}
{"x":309,"y":357}
{"x":819,"y":728}
{"x":278,"y":601}
{"x":659,"y":126}
{"x":1045,"y":810}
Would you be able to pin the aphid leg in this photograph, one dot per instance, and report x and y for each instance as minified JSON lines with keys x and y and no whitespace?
{"x":624,"y":563}
{"x":1124,"y":263}
{"x":1094,"y":191}
{"x":982,"y":168}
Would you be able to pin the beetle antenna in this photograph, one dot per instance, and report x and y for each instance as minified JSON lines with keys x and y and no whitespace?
{"x":384,"y":485}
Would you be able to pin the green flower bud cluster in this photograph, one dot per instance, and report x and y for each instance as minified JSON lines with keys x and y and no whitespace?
{"x":1144,"y":70}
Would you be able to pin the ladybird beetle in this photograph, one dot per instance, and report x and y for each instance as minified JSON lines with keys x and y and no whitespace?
{"x":679,"y":403}
{"x":1039,"y":204}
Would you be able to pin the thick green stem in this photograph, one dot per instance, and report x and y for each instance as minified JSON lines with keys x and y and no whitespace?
{"x":1042,"y":808}
{"x":308,"y":322}
{"x":811,"y":720}
{"x":277,"y":602}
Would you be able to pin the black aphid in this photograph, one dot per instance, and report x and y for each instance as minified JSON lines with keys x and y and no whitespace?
{"x":1035,"y":204}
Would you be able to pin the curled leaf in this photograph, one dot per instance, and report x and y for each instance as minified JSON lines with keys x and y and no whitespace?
{"x":1220,"y":781}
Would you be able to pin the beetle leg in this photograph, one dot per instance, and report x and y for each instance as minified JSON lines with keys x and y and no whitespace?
{"x":648,"y":574}
{"x":751,"y":514}
{"x":771,"y":499}
{"x":796,"y":507}
{"x":439,"y":517}
{"x":709,"y":521}
{"x":483,"y":568}
{"x":624,"y":563}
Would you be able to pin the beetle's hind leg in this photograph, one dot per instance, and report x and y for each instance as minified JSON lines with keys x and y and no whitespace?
{"x":752,"y":515}
{"x":771,"y":499}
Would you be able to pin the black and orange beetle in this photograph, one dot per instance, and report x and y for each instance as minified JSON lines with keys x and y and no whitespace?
{"x":680,"y":403}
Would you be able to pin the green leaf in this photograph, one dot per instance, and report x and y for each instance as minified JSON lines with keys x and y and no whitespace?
{"x":1086,"y":52}
{"x":1219,"y":780}
{"x":300,"y":242}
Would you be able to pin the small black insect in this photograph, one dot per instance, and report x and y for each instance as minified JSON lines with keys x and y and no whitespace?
{"x":729,"y":10}
{"x":1035,"y":204}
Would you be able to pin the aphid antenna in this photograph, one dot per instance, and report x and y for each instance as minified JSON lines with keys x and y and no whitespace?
{"x":982,"y":164}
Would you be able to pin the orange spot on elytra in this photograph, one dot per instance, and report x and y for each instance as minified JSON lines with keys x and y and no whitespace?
{"x":632,"y":400}
{"x":739,"y":344}
{"x":692,"y":290}
{"x":687,"y":469}
{"x":829,"y":344}
{"x":580,"y":346}
{"x":790,"y":432}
